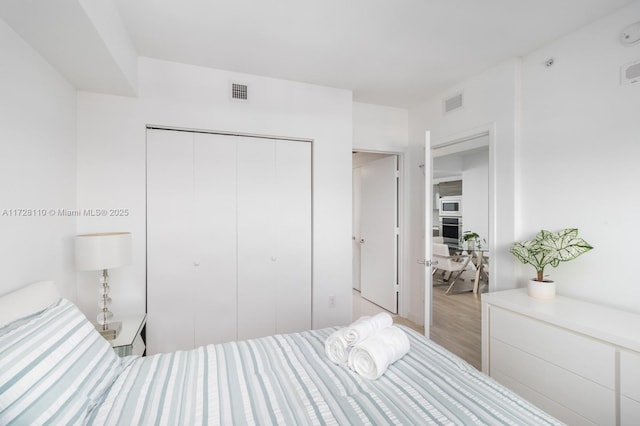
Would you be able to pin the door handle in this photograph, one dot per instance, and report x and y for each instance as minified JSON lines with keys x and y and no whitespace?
{"x":427,"y":263}
{"x":361,"y":240}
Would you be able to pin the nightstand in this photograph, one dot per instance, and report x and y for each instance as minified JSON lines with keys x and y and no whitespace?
{"x":130,"y":340}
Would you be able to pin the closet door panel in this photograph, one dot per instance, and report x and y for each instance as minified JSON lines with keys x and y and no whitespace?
{"x":293,"y":236}
{"x":214,"y":303}
{"x":256,"y":254}
{"x":170,"y":271}
{"x":229,"y":238}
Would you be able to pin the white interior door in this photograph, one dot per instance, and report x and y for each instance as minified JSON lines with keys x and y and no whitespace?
{"x":379,"y":232}
{"x":214,"y":293}
{"x":256,"y":235}
{"x":170,"y":221}
{"x":293,"y":236}
{"x":274,"y":237}
{"x":228,"y":238}
{"x":428,"y":220}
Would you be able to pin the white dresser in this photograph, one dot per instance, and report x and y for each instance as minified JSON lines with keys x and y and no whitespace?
{"x":578,"y":361}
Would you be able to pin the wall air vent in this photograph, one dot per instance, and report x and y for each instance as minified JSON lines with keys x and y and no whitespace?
{"x":239,"y":92}
{"x":453,"y":103}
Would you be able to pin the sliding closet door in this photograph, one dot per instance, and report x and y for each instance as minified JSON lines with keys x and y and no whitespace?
{"x":293,"y":236}
{"x":170,"y":249}
{"x":214,"y":302}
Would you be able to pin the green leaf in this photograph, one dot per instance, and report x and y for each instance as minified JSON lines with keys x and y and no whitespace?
{"x":526,"y":252}
{"x":521,"y":252}
{"x":564,"y":245}
{"x":550,"y":248}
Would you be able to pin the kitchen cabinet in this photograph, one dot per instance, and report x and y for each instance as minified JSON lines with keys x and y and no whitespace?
{"x":450,"y":188}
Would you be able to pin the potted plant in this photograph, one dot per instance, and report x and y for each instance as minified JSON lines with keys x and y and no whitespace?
{"x":548,"y":248}
{"x":471,"y":238}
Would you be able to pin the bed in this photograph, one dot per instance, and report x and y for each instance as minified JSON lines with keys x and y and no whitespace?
{"x":54,"y":368}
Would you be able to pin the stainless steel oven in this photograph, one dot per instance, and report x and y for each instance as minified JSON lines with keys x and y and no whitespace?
{"x":451,"y":229}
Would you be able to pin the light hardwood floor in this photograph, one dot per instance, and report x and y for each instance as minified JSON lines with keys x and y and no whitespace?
{"x":456,"y":322}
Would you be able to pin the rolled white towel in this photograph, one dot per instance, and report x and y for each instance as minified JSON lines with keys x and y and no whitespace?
{"x":367,"y":326}
{"x":336,"y":347}
{"x":371,"y":357}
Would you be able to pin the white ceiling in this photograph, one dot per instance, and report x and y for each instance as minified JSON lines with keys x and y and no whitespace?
{"x":388,"y":52}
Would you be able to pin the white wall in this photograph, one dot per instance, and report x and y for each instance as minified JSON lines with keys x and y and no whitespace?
{"x":386,"y":129}
{"x":379,"y":128}
{"x":579,"y":158}
{"x":564,"y":149}
{"x":489,"y":104}
{"x":447,"y":168}
{"x":37,"y":168}
{"x":104,"y":16}
{"x":475,"y":192}
{"x":111,"y":164}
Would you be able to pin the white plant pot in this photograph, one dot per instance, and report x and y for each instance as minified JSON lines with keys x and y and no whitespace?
{"x":542,"y":289}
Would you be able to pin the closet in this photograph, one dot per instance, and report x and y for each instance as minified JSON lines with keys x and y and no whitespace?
{"x":228,"y":238}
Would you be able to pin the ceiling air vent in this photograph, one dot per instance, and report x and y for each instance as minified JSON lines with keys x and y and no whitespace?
{"x":630,"y":73}
{"x":239,"y":92}
{"x":453,"y":103}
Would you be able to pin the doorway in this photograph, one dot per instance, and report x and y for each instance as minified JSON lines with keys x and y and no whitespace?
{"x":376,"y":228}
{"x":461,"y":179}
{"x":454,"y":320}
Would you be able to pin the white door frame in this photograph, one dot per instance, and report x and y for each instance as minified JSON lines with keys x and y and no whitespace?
{"x":402,"y":236}
{"x":356,"y":255}
{"x":448,"y":145}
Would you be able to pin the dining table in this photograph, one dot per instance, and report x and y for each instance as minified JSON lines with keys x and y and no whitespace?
{"x":477,"y":253}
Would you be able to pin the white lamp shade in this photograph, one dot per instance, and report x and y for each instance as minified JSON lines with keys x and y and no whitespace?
{"x":103,"y":251}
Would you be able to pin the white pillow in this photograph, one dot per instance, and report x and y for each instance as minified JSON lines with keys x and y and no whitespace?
{"x":28,"y":300}
{"x":54,"y":366}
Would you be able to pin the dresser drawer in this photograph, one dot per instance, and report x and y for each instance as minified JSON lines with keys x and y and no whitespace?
{"x":555,"y":345}
{"x":583,"y":397}
{"x":630,"y":375}
{"x":629,"y":412}
{"x":541,"y":401}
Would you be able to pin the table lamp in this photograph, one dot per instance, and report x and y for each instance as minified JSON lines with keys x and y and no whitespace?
{"x":104,"y":251}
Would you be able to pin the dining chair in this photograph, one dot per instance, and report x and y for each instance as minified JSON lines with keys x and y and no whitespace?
{"x":453,"y":265}
{"x":485,"y":268}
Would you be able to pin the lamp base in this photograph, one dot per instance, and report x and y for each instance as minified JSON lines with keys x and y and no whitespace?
{"x":113,"y":328}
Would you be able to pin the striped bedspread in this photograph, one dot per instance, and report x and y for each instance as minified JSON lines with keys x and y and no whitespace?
{"x":287,"y":379}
